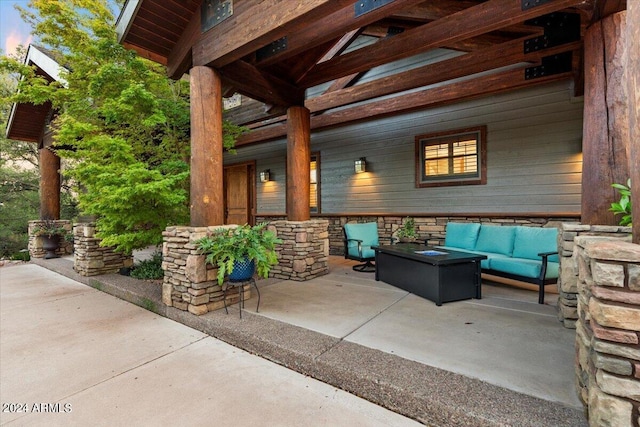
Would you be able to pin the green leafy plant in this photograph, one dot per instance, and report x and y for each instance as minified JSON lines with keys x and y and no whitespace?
{"x":408,"y":229}
{"x":623,"y":207}
{"x":50,"y":227}
{"x":150,"y":269}
{"x":226,"y":245}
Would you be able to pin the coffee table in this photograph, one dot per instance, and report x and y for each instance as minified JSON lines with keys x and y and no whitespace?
{"x":436,"y":274}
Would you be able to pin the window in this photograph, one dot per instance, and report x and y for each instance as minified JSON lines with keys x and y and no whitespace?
{"x":451,"y":158}
{"x":314,"y":189}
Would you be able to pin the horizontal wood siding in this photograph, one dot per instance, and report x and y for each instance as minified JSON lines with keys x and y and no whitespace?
{"x":534,"y":159}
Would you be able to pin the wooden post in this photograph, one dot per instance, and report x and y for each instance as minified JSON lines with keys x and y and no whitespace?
{"x":606,"y":123}
{"x":207,"y":193}
{"x":633,"y":87}
{"x":49,"y":184}
{"x":298,"y":163}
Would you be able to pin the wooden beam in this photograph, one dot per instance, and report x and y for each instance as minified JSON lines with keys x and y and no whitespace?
{"x":49,"y":184}
{"x":180,"y":59}
{"x":207,"y":192}
{"x":147,"y":54}
{"x":489,"y":16}
{"x":633,"y":86}
{"x":605,"y":124}
{"x":483,"y":60}
{"x":428,"y":98}
{"x":333,"y":26}
{"x":256,"y":24}
{"x":298,"y":164}
{"x":261,"y":86}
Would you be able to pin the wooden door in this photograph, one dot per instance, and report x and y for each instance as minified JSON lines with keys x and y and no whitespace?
{"x":239,"y":184}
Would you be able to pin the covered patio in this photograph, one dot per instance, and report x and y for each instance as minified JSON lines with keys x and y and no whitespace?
{"x":503,"y":359}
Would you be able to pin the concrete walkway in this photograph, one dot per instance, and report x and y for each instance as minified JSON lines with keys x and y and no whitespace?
{"x":72,"y":355}
{"x":503,"y":360}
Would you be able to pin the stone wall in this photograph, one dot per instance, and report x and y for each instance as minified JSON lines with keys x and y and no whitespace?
{"x":568,"y":276}
{"x":429,"y":228}
{"x":608,"y":330}
{"x":35,"y":242}
{"x":91,"y":259}
{"x":191,"y":285}
{"x":304,"y":252}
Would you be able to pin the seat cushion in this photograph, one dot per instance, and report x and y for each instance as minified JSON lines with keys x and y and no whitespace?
{"x":530,"y":241}
{"x":496,"y":239}
{"x":461,"y":235}
{"x":524,"y":267}
{"x":367,"y":233}
{"x":485,"y":263}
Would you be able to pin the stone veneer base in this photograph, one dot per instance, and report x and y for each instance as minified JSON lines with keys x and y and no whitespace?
{"x":35,"y":242}
{"x":608,"y":330}
{"x":92,"y":259}
{"x":191,"y":285}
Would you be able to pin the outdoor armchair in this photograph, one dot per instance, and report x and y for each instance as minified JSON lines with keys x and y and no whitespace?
{"x":358,"y":239}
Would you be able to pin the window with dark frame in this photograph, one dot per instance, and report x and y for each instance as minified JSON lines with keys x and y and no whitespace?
{"x":455,"y":157}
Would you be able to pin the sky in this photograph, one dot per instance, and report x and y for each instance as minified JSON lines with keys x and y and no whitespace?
{"x":13,"y":31}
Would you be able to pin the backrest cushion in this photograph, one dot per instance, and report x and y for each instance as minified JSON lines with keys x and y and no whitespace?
{"x":530,"y":241}
{"x":496,"y":239}
{"x":461,"y":235}
{"x":367,"y":232}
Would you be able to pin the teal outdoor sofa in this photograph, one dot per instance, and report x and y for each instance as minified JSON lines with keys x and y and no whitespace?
{"x":527,"y":254}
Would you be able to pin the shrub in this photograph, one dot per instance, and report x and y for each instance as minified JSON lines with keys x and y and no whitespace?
{"x":149,"y":269}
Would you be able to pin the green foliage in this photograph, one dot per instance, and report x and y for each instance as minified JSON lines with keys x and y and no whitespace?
{"x":49,"y":228}
{"x":623,"y":207}
{"x":408,"y":229}
{"x":226,"y":245}
{"x":122,"y":125}
{"x":150,"y":268}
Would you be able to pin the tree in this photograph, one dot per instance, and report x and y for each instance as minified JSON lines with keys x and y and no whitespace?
{"x":121,"y":123}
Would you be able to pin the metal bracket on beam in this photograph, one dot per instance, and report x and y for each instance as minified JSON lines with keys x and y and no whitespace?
{"x":554,"y":64}
{"x":214,"y":12}
{"x":392,"y":31}
{"x":530,"y":4}
{"x":272,"y":48}
{"x":559,"y":28}
{"x":363,"y":6}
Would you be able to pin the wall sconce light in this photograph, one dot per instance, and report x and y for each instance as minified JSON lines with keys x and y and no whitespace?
{"x":265,"y":175}
{"x":361,"y":165}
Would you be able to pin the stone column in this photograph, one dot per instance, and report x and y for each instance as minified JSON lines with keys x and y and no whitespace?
{"x":207,"y":193}
{"x":304,"y":252}
{"x":608,"y":331}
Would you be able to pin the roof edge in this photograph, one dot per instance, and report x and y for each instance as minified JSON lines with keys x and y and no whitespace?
{"x":125,"y":20}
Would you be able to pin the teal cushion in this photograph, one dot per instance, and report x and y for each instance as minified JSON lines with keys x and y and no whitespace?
{"x":485,"y":263}
{"x":461,"y":235}
{"x":367,"y":232}
{"x":524,"y":267}
{"x":530,"y":241}
{"x":496,"y":239}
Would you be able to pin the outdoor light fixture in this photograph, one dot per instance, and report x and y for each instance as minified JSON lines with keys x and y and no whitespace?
{"x":265,"y":175}
{"x":361,"y":165}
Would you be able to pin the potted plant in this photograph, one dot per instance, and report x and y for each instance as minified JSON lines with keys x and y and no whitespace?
{"x":407,"y":232}
{"x":51,"y":233}
{"x":239,"y":252}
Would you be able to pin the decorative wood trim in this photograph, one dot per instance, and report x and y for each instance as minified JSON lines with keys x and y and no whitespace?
{"x":428,"y":98}
{"x":256,"y":26}
{"x":473,"y":21}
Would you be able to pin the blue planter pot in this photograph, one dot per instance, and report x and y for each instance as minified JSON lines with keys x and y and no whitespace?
{"x":242,"y":270}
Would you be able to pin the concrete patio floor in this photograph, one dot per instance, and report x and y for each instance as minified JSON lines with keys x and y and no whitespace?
{"x":501,"y":360}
